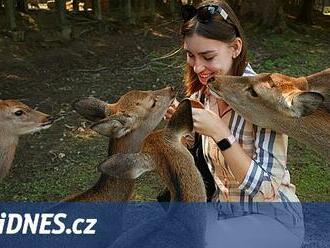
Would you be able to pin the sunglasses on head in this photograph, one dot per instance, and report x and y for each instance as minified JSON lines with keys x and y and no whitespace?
{"x":204,"y":14}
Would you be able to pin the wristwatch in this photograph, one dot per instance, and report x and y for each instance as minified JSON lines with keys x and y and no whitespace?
{"x":226,"y":143}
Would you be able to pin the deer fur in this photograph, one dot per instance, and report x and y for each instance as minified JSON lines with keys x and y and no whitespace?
{"x":163,"y":152}
{"x":126,"y":122}
{"x":298,"y":107}
{"x":17,"y":119}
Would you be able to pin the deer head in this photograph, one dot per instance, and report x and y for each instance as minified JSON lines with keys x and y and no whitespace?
{"x":17,"y":118}
{"x":264,"y":98}
{"x":131,"y":166}
{"x":132,"y":110}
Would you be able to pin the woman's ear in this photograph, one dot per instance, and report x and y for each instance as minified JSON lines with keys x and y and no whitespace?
{"x":237,"y":47}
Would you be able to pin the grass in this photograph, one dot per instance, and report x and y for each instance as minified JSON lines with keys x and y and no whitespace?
{"x":41,"y":172}
{"x":309,"y":172}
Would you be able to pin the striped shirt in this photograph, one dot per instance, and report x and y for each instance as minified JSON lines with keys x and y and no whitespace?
{"x":267,"y":179}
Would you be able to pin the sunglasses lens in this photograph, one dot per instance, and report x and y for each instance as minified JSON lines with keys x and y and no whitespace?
{"x":204,"y":14}
{"x":188,"y":12}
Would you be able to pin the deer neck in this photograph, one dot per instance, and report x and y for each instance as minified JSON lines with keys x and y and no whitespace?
{"x":8,"y":146}
{"x":182,"y":177}
{"x":113,"y":189}
{"x":121,"y":189}
{"x":105,"y":189}
{"x":188,"y":195}
{"x":186,"y":187}
{"x":312,"y":130}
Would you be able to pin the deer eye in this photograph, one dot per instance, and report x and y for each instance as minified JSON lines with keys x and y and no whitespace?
{"x":252,"y":92}
{"x":18,"y":112}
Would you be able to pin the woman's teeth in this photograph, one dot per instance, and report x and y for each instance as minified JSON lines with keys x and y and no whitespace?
{"x":204,"y":76}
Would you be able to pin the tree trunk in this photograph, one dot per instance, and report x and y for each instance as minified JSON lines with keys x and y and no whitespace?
{"x":61,"y":9}
{"x":152,"y":8}
{"x":141,"y":9}
{"x":172,"y":6}
{"x":129,"y":12}
{"x":273,"y":15}
{"x":267,"y":13}
{"x":22,"y":5}
{"x":96,"y":5}
{"x":75,"y":5}
{"x":305,"y":13}
{"x":63,"y":22}
{"x":10,"y":14}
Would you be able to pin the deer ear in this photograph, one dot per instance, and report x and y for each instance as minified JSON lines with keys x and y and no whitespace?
{"x":116,"y":126}
{"x":306,"y":103}
{"x":127,"y":166}
{"x":92,"y":108}
{"x":319,"y":81}
{"x":182,"y":117}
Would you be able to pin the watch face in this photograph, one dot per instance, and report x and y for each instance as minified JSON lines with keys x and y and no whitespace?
{"x":224,"y":144}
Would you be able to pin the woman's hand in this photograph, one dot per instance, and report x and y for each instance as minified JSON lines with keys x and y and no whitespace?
{"x":172,"y":108}
{"x":209,"y":124}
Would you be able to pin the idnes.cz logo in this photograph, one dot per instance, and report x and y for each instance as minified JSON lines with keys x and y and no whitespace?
{"x":44,"y":223}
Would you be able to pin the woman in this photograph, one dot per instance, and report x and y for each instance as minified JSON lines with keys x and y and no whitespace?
{"x":247,"y":162}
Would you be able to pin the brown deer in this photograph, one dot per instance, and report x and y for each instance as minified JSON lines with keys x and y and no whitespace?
{"x":294,"y":106}
{"x":126,"y":122}
{"x":17,"y":119}
{"x":163,"y":152}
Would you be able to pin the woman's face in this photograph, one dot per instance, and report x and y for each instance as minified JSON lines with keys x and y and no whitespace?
{"x":208,"y":57}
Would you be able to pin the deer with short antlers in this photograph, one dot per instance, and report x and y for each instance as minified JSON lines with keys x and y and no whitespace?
{"x":17,"y":119}
{"x":126,"y":122}
{"x":163,"y":152}
{"x":297,"y":107}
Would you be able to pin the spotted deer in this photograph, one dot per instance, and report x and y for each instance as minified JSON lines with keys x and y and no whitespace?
{"x":297,"y":107}
{"x":17,"y":119}
{"x":163,"y":152}
{"x":126,"y":122}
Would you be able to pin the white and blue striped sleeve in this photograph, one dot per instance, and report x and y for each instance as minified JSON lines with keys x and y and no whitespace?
{"x":268,"y":164}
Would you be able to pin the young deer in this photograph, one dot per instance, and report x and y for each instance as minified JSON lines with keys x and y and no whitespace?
{"x":163,"y":152}
{"x":294,"y":106}
{"x":126,"y":122}
{"x":17,"y":119}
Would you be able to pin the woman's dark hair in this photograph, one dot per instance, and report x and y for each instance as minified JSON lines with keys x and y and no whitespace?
{"x":217,"y":29}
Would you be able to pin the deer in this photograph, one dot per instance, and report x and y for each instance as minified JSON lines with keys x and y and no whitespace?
{"x":17,"y":119}
{"x":162,"y":151}
{"x":126,"y":122}
{"x":296,"y":106}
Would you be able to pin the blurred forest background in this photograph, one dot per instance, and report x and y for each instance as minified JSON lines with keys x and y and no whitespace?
{"x":53,"y":52}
